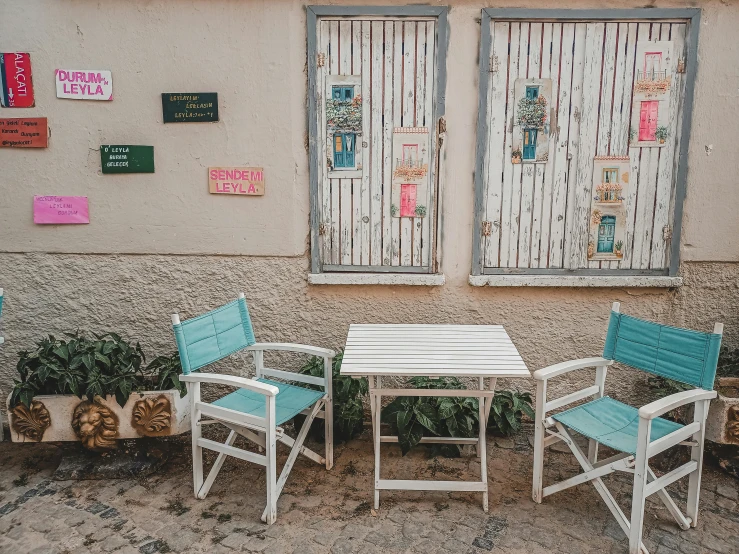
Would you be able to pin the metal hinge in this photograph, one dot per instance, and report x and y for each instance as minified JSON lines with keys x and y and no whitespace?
{"x":321,"y":61}
{"x":322,"y":229}
{"x":487,"y":228}
{"x":667,"y":233}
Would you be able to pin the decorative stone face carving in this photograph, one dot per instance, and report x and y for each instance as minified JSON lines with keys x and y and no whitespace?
{"x":31,"y":422}
{"x":152,"y":416}
{"x":95,"y":425}
{"x":732,"y":424}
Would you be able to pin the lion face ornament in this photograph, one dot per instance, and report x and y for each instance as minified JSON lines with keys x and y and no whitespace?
{"x":95,"y":425}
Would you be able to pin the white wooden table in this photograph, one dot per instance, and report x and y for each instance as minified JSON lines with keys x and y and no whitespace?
{"x":481,"y":351}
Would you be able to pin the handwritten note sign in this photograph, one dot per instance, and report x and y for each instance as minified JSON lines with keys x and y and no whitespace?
{"x":189,"y":107}
{"x":24,"y":132}
{"x":15,"y":78}
{"x":60,"y":210}
{"x":244,"y":181}
{"x":126,"y":158}
{"x":84,"y":85}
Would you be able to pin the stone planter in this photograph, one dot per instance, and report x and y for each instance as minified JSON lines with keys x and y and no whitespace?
{"x":98,"y":424}
{"x":722,"y":425}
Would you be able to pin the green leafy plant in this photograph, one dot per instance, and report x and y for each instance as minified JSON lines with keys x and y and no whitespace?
{"x":421,"y":211}
{"x":507,"y":410}
{"x":516,"y":153}
{"x":661,"y":133}
{"x":104,"y":365}
{"x":347,"y":396}
{"x":344,"y":115}
{"x":166,"y":371}
{"x":728,"y":362}
{"x":393,"y":210}
{"x":619,"y":245}
{"x":413,"y":417}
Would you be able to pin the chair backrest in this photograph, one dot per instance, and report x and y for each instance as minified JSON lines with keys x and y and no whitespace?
{"x":678,"y":354}
{"x":212,"y":336}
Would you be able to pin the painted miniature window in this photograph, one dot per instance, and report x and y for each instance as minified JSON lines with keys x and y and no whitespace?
{"x":344,"y":94}
{"x":532,"y":93}
{"x":407,"y":200}
{"x":578,"y":142}
{"x":653,"y":65}
{"x":529,"y":144}
{"x":373,"y":120}
{"x":606,"y":233}
{"x":344,"y":150}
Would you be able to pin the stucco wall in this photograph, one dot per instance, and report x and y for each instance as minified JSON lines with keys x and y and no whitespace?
{"x":253,"y":54}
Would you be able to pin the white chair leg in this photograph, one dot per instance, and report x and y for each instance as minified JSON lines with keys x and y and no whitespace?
{"x":696,"y":454}
{"x":592,"y":451}
{"x":328,"y":412}
{"x":271,"y":467}
{"x":641,"y":473}
{"x":541,"y":391}
{"x":205,"y":488}
{"x":196,"y":431}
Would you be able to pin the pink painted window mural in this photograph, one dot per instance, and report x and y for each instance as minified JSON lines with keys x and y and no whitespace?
{"x":653,"y":66}
{"x":407,"y":200}
{"x":648,"y":120}
{"x":410,"y":154}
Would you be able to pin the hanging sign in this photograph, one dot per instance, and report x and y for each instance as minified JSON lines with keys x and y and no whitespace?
{"x":59,"y":210}
{"x":245,"y":181}
{"x":121,"y":158}
{"x":84,"y":85}
{"x":189,"y":107}
{"x":17,"y":86}
{"x":24,"y":132}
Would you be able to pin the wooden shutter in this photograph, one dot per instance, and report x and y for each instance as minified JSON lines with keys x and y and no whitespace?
{"x":393,"y":61}
{"x":535,"y":215}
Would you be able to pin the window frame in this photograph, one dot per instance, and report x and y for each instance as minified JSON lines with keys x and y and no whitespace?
{"x":497,"y":276}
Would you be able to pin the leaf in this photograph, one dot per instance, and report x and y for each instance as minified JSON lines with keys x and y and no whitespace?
{"x":427,"y":416}
{"x":62,"y":352}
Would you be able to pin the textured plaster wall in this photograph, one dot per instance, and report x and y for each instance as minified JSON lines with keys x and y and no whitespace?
{"x":136,"y":294}
{"x":113,"y":274}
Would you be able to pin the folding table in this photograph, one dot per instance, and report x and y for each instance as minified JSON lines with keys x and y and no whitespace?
{"x":483,"y":352}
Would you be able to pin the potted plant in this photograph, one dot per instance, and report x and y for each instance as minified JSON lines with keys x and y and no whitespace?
{"x":95,"y":390}
{"x":348,"y":409}
{"x":617,"y":248}
{"x":516,"y":156}
{"x":661,"y":134}
{"x":421,"y":211}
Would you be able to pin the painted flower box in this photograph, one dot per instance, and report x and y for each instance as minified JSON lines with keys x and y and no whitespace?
{"x":722,"y":425}
{"x":98,"y":424}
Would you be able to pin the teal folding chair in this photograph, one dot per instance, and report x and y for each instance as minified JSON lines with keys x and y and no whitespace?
{"x":259,"y":406}
{"x":636,"y":434}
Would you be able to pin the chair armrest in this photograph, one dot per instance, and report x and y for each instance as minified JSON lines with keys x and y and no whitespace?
{"x":231,"y":381}
{"x":571,"y":365}
{"x":659,"y":407}
{"x":302,"y":348}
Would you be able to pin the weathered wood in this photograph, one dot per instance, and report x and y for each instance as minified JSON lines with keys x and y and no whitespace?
{"x":509,"y":222}
{"x":397,"y":122}
{"x":496,"y":159}
{"x":408,"y":120}
{"x":387,"y":144}
{"x":362,"y":193}
{"x":429,"y":222}
{"x":376,"y":141}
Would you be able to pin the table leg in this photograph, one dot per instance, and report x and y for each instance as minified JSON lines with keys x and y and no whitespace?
{"x":371,"y":386}
{"x":377,"y":405}
{"x":481,"y":444}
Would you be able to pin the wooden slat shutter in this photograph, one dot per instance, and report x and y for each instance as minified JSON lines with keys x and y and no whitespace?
{"x":393,"y":62}
{"x":538,"y":212}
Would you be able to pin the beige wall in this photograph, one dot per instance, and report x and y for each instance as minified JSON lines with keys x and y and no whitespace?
{"x":253,"y":53}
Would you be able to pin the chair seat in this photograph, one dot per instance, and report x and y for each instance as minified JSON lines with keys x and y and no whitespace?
{"x":290,"y":401}
{"x":612,"y":423}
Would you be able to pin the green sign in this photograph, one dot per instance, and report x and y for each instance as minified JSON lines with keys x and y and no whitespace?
{"x":189,"y":107}
{"x":122,"y":158}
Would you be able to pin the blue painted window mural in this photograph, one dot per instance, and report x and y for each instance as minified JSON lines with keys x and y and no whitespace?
{"x":529,"y":143}
{"x":344,"y":150}
{"x":343,"y":93}
{"x":606,"y":232}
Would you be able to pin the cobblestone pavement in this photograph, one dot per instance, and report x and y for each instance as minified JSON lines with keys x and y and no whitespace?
{"x":322,"y":511}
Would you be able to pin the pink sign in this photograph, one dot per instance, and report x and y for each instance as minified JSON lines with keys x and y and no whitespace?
{"x":84,"y":85}
{"x":60,"y":210}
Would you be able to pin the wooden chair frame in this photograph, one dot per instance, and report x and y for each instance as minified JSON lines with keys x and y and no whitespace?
{"x":646,"y":483}
{"x":262,"y":431}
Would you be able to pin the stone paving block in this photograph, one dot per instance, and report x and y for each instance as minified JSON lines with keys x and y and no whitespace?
{"x":728,"y":490}
{"x":112,"y":543}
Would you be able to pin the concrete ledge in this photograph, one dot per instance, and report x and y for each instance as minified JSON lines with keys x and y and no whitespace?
{"x":415,"y":279}
{"x":574,"y":281}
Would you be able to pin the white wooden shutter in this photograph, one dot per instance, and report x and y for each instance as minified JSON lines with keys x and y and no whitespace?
{"x":538,"y":216}
{"x":393,"y":60}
